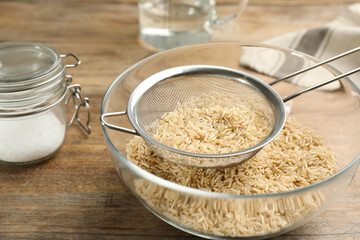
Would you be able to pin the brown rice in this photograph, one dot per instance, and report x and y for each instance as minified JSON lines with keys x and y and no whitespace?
{"x":296,"y":158}
{"x":215,"y":123}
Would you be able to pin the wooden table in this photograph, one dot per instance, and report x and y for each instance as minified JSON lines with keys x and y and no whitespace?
{"x":78,"y":194}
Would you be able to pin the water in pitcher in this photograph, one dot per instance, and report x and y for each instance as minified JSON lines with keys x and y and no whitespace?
{"x":166,"y":24}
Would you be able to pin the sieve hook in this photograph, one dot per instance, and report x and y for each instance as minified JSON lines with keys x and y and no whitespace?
{"x":314,"y":66}
{"x":115,"y":127}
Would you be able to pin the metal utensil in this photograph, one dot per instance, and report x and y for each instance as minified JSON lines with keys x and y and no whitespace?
{"x":161,"y":92}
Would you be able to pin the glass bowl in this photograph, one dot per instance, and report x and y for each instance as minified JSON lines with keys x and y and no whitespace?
{"x":332,"y":111}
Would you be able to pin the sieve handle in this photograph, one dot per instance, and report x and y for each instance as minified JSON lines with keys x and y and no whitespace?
{"x":316,"y":65}
{"x":321,"y":84}
{"x":115,"y":127}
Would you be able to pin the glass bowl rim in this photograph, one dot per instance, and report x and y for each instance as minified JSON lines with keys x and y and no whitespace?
{"x":184,"y":189}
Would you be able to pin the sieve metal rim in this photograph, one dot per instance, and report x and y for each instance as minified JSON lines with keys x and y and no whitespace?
{"x":236,"y":75}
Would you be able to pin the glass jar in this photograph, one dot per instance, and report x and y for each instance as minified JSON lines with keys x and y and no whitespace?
{"x":34,"y":92}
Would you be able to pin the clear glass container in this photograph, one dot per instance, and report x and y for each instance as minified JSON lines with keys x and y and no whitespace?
{"x":34,"y":92}
{"x":333,"y":113}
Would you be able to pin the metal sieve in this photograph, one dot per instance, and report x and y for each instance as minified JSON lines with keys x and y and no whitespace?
{"x":162,"y":92}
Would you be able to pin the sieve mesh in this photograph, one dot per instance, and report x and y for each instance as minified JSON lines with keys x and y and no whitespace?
{"x":166,"y":95}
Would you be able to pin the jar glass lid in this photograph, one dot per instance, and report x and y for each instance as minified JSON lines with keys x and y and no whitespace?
{"x":22,"y":61}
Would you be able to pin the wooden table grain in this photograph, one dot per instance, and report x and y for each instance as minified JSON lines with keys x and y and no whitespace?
{"x":78,"y":194}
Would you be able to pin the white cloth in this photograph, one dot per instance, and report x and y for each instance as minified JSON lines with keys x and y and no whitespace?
{"x":324,"y":42}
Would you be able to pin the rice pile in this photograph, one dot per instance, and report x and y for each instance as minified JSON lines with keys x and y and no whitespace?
{"x":240,"y":217}
{"x":215,"y":123}
{"x":296,"y":158}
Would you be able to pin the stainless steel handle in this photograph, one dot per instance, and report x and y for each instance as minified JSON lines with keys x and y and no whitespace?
{"x":314,"y":66}
{"x":321,"y":84}
{"x":115,"y":127}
